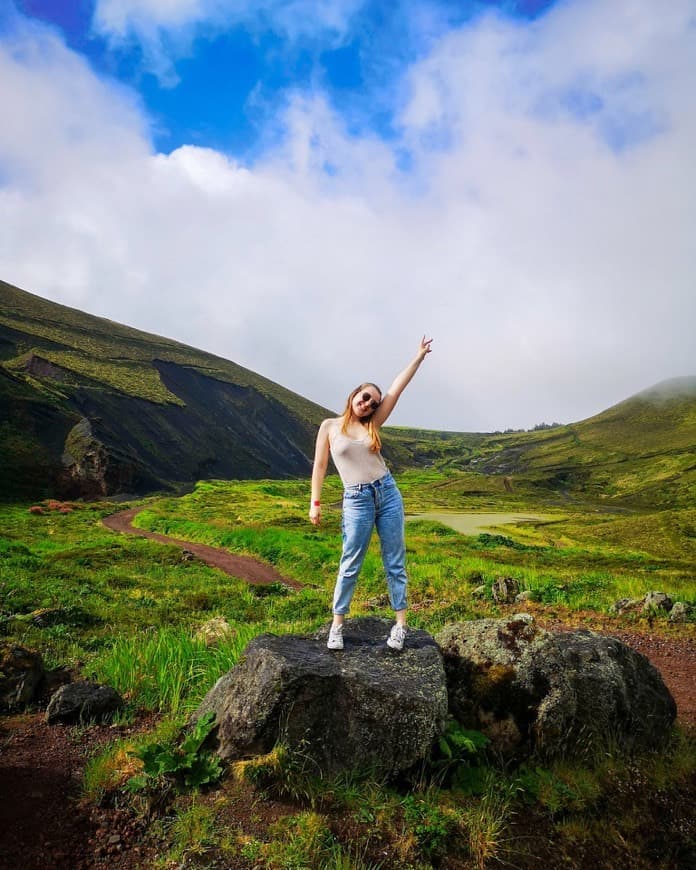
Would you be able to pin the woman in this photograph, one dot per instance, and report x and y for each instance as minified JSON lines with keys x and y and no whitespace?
{"x":370,"y":499}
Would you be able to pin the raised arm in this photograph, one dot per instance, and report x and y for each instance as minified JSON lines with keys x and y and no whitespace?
{"x":400,"y":382}
{"x":321,"y":461}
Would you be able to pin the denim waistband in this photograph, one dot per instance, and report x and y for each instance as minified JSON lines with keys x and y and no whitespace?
{"x":374,"y":484}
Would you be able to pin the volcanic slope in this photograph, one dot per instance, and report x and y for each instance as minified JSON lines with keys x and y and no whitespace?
{"x":89,"y":407}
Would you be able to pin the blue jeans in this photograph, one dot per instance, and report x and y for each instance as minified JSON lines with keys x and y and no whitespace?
{"x":367,"y":506}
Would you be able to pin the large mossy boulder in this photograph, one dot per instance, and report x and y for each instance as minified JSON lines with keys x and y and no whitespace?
{"x":574,"y":692}
{"x":366,"y":707}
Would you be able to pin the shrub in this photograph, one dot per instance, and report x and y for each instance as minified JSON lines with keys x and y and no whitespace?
{"x":431,"y":824}
{"x":458,"y":760}
{"x":185,"y":763}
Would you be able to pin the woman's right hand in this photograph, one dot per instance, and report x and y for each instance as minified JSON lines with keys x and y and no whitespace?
{"x":315,"y":514}
{"x":424,"y":348}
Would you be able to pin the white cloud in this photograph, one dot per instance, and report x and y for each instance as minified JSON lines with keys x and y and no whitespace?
{"x":555,"y":271}
{"x":165,"y":29}
{"x":292,"y":17}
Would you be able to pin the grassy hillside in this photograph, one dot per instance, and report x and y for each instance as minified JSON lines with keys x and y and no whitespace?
{"x":85,"y":347}
{"x":641,"y":452}
{"x":91,"y":408}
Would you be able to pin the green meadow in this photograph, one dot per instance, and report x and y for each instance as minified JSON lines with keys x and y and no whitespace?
{"x":125,"y":610}
{"x":579,"y":557}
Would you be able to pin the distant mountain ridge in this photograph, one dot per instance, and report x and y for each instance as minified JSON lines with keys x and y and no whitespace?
{"x":641,"y":450}
{"x":91,"y":408}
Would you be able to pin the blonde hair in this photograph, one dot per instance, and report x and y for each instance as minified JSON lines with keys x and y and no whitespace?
{"x":372,"y":431}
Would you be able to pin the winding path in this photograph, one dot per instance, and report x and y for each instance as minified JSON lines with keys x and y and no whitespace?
{"x":242,"y":567}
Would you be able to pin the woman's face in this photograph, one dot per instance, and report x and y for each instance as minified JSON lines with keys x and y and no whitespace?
{"x":366,"y":401}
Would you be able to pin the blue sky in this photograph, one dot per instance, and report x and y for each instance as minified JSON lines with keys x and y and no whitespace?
{"x":214,"y":83}
{"x":263,"y":179}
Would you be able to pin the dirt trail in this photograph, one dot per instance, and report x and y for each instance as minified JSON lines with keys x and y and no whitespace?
{"x":243,"y":567}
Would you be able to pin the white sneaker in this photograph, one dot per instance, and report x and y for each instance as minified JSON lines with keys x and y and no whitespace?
{"x":335,"y":640}
{"x":397,"y":636}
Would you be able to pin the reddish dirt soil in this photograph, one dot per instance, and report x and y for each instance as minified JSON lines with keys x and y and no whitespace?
{"x":243,"y":567}
{"x":675,"y":659}
{"x":43,"y":822}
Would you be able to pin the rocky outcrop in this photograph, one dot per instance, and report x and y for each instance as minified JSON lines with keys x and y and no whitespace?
{"x":626,"y":605}
{"x":40,"y":367}
{"x":652,"y":604}
{"x":680,"y":612}
{"x":529,"y":690}
{"x":85,"y":460}
{"x":656,"y":602}
{"x":215,"y":631}
{"x":566,"y":692}
{"x":505,"y":590}
{"x":366,"y":707}
{"x":21,"y":675}
{"x":82,"y":702}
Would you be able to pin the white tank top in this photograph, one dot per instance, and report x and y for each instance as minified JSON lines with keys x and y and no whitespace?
{"x":354,"y":460}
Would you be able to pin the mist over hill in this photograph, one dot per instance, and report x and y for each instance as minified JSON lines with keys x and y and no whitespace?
{"x":92,"y":408}
{"x":641,"y":450}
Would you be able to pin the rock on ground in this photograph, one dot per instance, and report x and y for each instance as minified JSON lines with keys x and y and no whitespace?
{"x":680,"y":612}
{"x":505,"y":590}
{"x":366,"y":707}
{"x":21,"y":675}
{"x":83,"y":701}
{"x":215,"y":631}
{"x":568,"y":692}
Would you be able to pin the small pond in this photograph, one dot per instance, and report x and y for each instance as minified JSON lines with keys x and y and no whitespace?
{"x":475,"y":523}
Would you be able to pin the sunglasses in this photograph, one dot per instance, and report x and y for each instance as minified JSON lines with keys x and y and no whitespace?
{"x":367,"y":397}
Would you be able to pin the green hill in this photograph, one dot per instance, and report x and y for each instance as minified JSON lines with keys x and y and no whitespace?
{"x":641,"y":451}
{"x":90,"y":407}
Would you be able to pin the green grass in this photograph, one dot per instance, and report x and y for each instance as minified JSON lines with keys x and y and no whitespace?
{"x":560,"y":562}
{"x":114,"y":587}
{"x":168,"y":669}
{"x":526,"y":817}
{"x":127,"y":611}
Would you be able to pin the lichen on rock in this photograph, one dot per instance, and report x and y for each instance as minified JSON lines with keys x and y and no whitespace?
{"x":553,"y":693}
{"x":366,"y":707}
